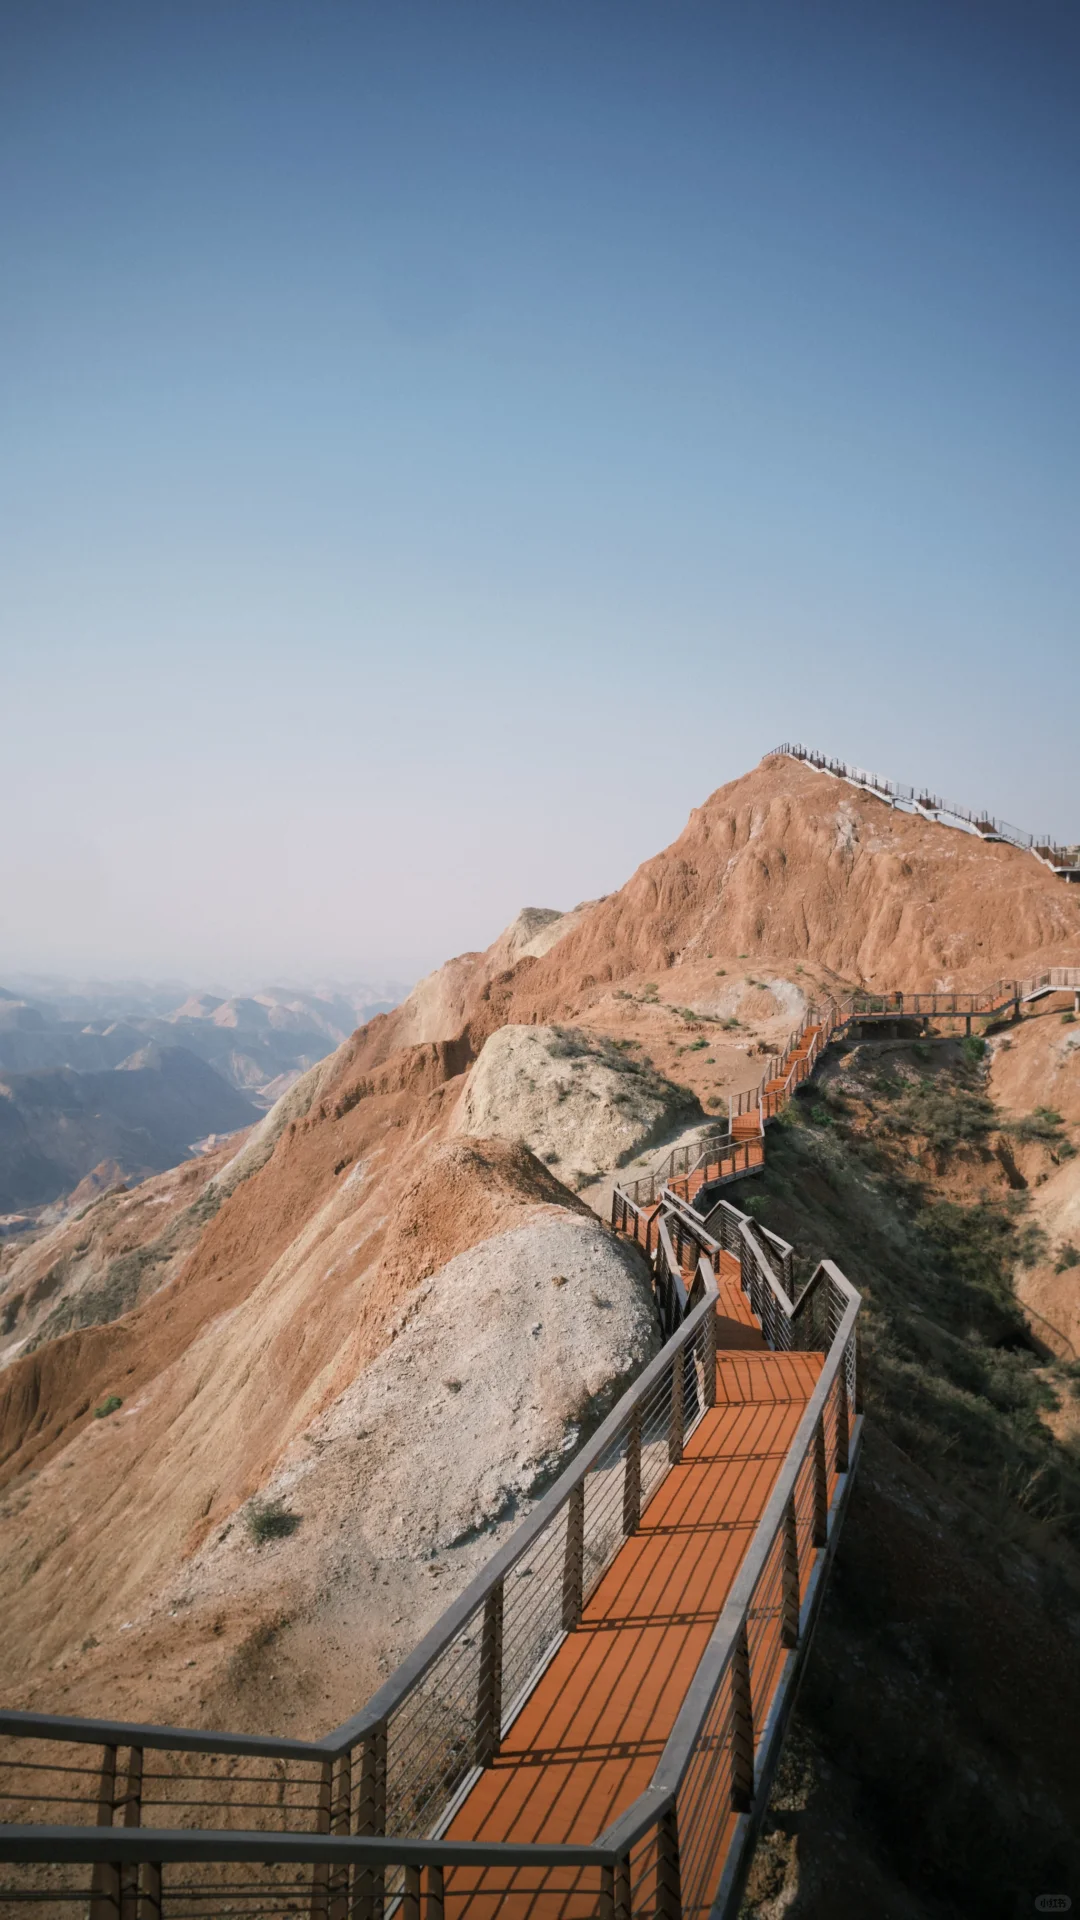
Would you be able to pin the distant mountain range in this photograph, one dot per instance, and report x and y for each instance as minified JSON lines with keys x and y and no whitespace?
{"x":107,"y":1074}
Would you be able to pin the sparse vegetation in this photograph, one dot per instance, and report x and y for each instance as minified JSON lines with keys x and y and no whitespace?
{"x":1068,"y":1256}
{"x":270,"y":1520}
{"x":111,"y":1405}
{"x":1044,"y":1124}
{"x":567,"y":1045}
{"x":968,"y":1517}
{"x":947,"y":1112}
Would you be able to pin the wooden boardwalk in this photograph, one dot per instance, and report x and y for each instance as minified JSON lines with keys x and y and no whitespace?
{"x":587,"y":1741}
{"x":626,"y":1706}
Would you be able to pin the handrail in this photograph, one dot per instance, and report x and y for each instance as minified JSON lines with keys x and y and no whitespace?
{"x":690,"y":1721}
{"x":84,"y":1845}
{"x":133,"y":1733}
{"x":985,"y":824}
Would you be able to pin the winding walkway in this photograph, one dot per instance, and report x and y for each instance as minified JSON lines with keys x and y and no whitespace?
{"x":587,"y":1742}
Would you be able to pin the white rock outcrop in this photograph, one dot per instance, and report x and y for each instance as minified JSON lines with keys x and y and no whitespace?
{"x":504,"y":1358}
{"x":501,"y":1363}
{"x":578,"y":1101}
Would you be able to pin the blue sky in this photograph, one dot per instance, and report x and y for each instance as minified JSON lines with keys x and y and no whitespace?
{"x":440,"y":443}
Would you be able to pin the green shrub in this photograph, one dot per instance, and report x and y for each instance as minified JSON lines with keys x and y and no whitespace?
{"x":108,"y":1406}
{"x":270,"y":1520}
{"x":1044,"y":1124}
{"x":945,"y":1112}
{"x":1068,"y":1256}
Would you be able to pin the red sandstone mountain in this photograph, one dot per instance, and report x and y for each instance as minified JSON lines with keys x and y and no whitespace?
{"x":355,"y":1188}
{"x":786,"y":867}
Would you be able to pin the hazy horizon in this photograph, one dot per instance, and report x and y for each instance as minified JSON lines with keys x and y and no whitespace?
{"x":441,"y":446}
{"x":38,"y":984}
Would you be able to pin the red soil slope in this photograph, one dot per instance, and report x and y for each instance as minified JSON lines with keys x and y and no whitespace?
{"x":291,"y":1288}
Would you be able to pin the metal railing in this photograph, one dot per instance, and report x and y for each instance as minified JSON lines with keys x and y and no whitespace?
{"x":993,"y":1002}
{"x":922,"y":801}
{"x":142,"y":1821}
{"x":1054,"y":980}
{"x":645,"y":1189}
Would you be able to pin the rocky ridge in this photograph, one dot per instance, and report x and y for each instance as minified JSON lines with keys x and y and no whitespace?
{"x":370,"y":1179}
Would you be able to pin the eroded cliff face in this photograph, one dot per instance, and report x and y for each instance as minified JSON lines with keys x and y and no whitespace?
{"x":793,"y":866}
{"x":340,"y":1285}
{"x":334,"y":1234}
{"x":1035,"y":1078}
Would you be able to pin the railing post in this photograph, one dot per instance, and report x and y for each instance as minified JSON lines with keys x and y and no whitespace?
{"x":821,"y":1486}
{"x":436,"y":1892}
{"x":668,"y":1876}
{"x":631,"y":1505}
{"x":574,"y":1561}
{"x":791,"y":1597}
{"x":341,"y":1822}
{"x":675,"y":1426}
{"x":742,"y":1727}
{"x":150,"y":1897}
{"x":841,"y":1461}
{"x":105,"y":1879}
{"x":320,"y":1875}
{"x":410,"y":1898}
{"x":708,"y":1358}
{"x":489,"y":1689}
{"x":368,"y":1886}
{"x":622,"y":1889}
{"x":606,"y":1905}
{"x":131,"y":1801}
